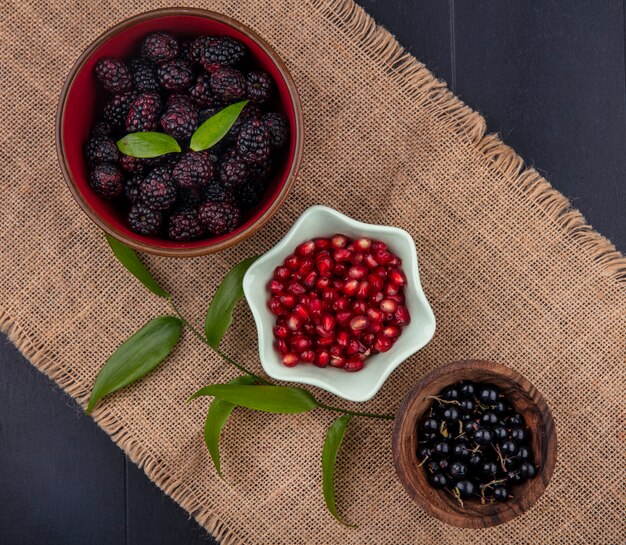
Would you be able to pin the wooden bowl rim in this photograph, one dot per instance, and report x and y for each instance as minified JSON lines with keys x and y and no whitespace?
{"x":210,"y":247}
{"x":402,"y":427}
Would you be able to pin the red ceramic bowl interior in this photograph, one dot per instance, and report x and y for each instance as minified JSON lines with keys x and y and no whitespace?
{"x":85,"y":99}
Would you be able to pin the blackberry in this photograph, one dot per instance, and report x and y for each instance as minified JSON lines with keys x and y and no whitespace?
{"x":191,"y":198}
{"x":253,"y":142}
{"x":144,"y":77}
{"x":233,"y":172}
{"x":180,"y":121}
{"x":277,"y":126}
{"x":194,"y":53}
{"x":143,"y":114}
{"x":175,"y":75}
{"x":219,"y":218}
{"x":178,"y":99}
{"x":216,"y":51}
{"x":200,"y":92}
{"x":101,"y":149}
{"x":106,"y":180}
{"x":216,"y":192}
{"x":114,"y":75}
{"x":250,"y":111}
{"x":157,"y":190}
{"x":259,"y":86}
{"x":250,"y":194}
{"x":159,"y":46}
{"x":260,"y":172}
{"x":228,"y":84}
{"x":116,"y":109}
{"x":184,"y":225}
{"x":134,"y":165}
{"x":132,"y":189}
{"x":206,"y":113}
{"x":144,"y":220}
{"x":194,"y":169}
{"x":101,"y":128}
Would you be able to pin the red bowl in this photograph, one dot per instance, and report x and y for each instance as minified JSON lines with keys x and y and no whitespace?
{"x":82,"y":96}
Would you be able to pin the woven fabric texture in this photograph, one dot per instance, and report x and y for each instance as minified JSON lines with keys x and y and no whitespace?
{"x":513,"y":274}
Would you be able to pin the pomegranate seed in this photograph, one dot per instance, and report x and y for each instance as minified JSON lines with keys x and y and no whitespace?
{"x":359,"y":307}
{"x":391,"y":289}
{"x":391,"y":331}
{"x":374,"y":314}
{"x":395,"y":261}
{"x":357,"y":258}
{"x":380,"y":272}
{"x":322,"y":359}
{"x":350,"y":287}
{"x":337,"y":361}
{"x":306,"y":248}
{"x":342,"y":303}
{"x":309,"y":279}
{"x":275,"y":286}
{"x":354,"y":364}
{"x":382,"y":257}
{"x":302,"y":311}
{"x":305,"y":267}
{"x":378,"y":245}
{"x":281,"y":346}
{"x":363,"y":244}
{"x":368,"y":339}
{"x":294,"y":322}
{"x":308,"y":356}
{"x":328,"y":322}
{"x":364,"y":289}
{"x":377,"y":297}
{"x":290,"y":359}
{"x":315,"y":307}
{"x":324,"y":263}
{"x":376,"y":282}
{"x":375,"y":326}
{"x":280,"y":332}
{"x":354,"y":347}
{"x":343,"y":318}
{"x":338,"y":284}
{"x":276,"y":307}
{"x":388,"y":305}
{"x":309,"y":329}
{"x":342,"y":338}
{"x":339,"y":241}
{"x":370,"y":261}
{"x":339,"y":269}
{"x":325,"y":341}
{"x":292,"y":262}
{"x":357,"y":272}
{"x":402,"y":316}
{"x":359,"y":322}
{"x":281,"y":273}
{"x":397,"y":277}
{"x":289,"y":300}
{"x":300,"y":343}
{"x":329,"y":295}
{"x":296,"y":288}
{"x":382,"y":344}
{"x":321,"y":243}
{"x":322,"y":283}
{"x":336,"y":350}
{"x":342,"y":254}
{"x":397,"y":298}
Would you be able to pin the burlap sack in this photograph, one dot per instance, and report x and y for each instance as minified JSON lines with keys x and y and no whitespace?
{"x":512,"y":272}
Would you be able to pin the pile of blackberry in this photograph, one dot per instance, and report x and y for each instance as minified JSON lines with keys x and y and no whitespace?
{"x":173,"y":86}
{"x":473,"y":443}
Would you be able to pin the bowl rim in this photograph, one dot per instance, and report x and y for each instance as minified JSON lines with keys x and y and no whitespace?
{"x":209,"y":247}
{"x":264,"y":331}
{"x":548,"y":460}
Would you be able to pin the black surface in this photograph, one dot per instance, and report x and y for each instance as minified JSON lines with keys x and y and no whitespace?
{"x":549,"y":76}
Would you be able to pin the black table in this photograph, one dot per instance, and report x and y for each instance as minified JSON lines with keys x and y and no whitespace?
{"x":548,"y":76}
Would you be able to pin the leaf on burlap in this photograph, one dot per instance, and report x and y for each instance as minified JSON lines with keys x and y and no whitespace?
{"x":136,"y":357}
{"x":220,"y":312}
{"x":334,"y":437}
{"x":216,"y":127}
{"x":129,"y":258}
{"x":217,"y":416}
{"x":271,"y":399}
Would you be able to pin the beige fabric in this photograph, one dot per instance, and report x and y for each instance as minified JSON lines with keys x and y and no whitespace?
{"x":513,"y":274}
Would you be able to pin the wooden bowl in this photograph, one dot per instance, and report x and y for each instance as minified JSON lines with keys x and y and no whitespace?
{"x":81,"y":96}
{"x":526,"y":400}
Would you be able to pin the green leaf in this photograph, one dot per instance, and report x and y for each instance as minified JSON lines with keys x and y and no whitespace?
{"x":271,"y":399}
{"x":334,"y":437}
{"x":220,"y":312}
{"x":147,"y":144}
{"x":129,"y":258}
{"x":218,"y":414}
{"x":216,"y":127}
{"x":136,"y":357}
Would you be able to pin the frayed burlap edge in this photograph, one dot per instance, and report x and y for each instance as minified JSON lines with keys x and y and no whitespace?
{"x":431,"y":94}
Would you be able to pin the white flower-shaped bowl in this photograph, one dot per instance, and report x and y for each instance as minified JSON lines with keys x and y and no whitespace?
{"x":320,"y":221}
